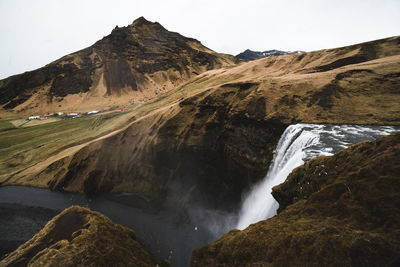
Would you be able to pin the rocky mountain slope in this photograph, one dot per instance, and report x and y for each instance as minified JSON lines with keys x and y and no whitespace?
{"x":341,"y":210}
{"x":80,"y":237}
{"x":207,"y":141}
{"x":131,"y":64}
{"x":249,"y":55}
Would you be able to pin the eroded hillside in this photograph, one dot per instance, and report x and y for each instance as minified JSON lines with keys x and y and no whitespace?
{"x":210,"y":139}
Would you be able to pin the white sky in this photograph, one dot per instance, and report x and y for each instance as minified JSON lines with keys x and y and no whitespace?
{"x":36,"y":32}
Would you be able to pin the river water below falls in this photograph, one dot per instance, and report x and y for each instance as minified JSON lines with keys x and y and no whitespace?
{"x":166,"y":234}
{"x":299,"y":143}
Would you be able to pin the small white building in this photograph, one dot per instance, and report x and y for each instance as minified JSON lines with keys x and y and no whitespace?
{"x":34,"y":118}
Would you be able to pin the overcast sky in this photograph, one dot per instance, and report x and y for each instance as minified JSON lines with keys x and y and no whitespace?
{"x":34,"y":33}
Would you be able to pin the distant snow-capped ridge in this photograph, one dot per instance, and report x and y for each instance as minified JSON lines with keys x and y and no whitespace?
{"x":253,"y":55}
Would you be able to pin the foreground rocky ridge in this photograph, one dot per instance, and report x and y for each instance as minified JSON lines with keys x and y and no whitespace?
{"x":13,"y":218}
{"x":207,"y":141}
{"x":341,"y":210}
{"x":130,"y":65}
{"x":80,"y":237}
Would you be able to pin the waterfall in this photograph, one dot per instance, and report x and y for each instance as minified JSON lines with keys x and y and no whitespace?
{"x":289,"y":154}
{"x":298,"y":143}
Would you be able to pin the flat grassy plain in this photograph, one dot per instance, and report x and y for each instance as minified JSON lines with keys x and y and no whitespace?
{"x":22,"y":146}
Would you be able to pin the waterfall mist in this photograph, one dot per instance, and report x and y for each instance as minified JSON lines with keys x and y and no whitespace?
{"x":299,"y":143}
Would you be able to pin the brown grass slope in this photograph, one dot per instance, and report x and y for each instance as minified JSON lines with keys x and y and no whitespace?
{"x":80,"y":237}
{"x":131,"y":64}
{"x":212,"y":138}
{"x":342,"y":210}
{"x":329,"y":85}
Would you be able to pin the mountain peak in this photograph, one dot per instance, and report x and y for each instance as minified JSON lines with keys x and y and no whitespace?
{"x":142,"y":21}
{"x":125,"y":62}
{"x":253,"y":55}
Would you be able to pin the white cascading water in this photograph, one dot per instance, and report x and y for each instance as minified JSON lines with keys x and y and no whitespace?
{"x":260,"y":204}
{"x":298,"y":143}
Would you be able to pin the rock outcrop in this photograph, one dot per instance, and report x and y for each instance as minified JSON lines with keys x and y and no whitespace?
{"x":341,"y":210}
{"x":80,"y":237}
{"x":13,"y":218}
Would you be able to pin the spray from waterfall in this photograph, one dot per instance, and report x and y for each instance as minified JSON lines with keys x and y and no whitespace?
{"x":289,"y":154}
{"x":298,"y":143}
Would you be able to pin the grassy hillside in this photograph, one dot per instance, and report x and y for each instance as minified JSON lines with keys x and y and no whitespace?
{"x":24,"y":146}
{"x":209,"y":139}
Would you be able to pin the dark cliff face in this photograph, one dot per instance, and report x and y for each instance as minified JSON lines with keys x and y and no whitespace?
{"x":341,"y":210}
{"x":80,"y":237}
{"x":126,"y":60}
{"x":223,"y":145}
{"x":208,"y":150}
